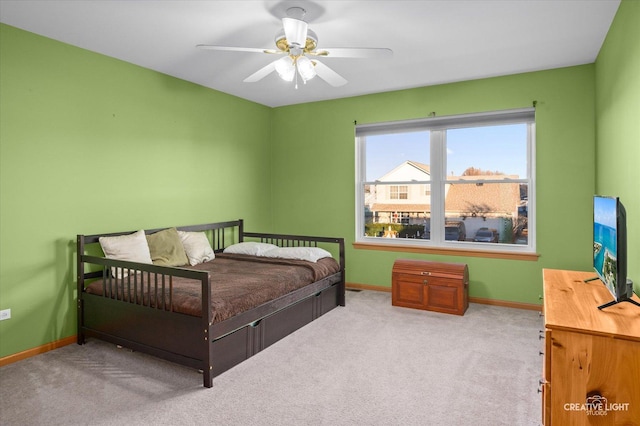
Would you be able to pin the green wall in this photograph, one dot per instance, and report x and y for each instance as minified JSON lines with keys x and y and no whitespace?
{"x":317,"y":165}
{"x":90,"y":144}
{"x":618,"y":122}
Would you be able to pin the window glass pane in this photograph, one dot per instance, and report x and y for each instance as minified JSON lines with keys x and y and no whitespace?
{"x":388,"y":155}
{"x":487,"y":212}
{"x":389,"y":217}
{"x":490,"y":150}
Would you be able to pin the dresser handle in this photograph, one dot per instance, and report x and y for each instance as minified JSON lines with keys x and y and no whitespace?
{"x":425,"y":282}
{"x":425,"y":273}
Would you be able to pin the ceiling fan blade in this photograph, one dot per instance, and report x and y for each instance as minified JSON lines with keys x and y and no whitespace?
{"x":261,"y":73}
{"x":235,"y":49}
{"x":329,"y":75}
{"x":296,"y":31}
{"x":355,"y":52}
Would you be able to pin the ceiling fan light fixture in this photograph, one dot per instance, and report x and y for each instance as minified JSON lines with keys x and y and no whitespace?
{"x":285,"y":68}
{"x":305,"y":68}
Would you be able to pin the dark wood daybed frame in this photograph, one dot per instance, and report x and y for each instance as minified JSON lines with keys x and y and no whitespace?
{"x":195,"y":341}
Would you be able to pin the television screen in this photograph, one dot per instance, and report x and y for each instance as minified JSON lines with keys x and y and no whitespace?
{"x":605,"y":241}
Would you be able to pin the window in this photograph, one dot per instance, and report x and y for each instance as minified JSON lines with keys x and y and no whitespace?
{"x":462,"y":181}
{"x":398,"y":192}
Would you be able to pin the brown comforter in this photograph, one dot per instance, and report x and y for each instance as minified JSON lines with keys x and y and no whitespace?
{"x":238,"y":283}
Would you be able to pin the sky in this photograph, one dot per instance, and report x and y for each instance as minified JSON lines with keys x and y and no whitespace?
{"x":604,"y":211}
{"x":493,"y":148}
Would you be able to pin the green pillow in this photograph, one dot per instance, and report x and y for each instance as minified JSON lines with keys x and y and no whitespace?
{"x":166,"y":248}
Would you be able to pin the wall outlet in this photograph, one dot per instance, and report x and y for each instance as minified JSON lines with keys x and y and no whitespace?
{"x":5,"y":314}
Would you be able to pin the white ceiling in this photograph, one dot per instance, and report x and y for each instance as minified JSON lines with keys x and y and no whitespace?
{"x":434,"y":42}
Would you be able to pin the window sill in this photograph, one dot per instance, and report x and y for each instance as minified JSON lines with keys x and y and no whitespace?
{"x":448,"y":251}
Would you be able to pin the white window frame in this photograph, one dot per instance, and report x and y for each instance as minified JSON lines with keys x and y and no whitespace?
{"x":438,"y":126}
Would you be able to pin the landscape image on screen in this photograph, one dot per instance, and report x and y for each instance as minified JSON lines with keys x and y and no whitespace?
{"x":604,"y":241}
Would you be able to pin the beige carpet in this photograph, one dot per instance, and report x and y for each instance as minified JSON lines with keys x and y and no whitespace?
{"x":365,"y":364}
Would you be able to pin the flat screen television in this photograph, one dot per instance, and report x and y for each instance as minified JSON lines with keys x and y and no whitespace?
{"x":610,"y":248}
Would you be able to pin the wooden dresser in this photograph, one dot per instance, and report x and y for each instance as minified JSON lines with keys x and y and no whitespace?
{"x":591,"y":371}
{"x":433,"y":286}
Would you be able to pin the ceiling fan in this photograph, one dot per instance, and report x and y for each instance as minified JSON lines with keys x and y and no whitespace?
{"x":297,"y":45}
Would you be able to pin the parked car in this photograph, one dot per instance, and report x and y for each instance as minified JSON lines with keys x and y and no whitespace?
{"x":486,"y":235}
{"x":523,"y":237}
{"x":455,"y":231}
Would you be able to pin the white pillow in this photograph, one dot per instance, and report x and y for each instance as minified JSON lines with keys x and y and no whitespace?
{"x":250,"y":247}
{"x":197,"y":247}
{"x":311,"y":254}
{"x":132,"y":247}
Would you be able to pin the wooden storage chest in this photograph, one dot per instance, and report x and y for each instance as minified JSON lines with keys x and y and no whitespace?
{"x":432,"y":286}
